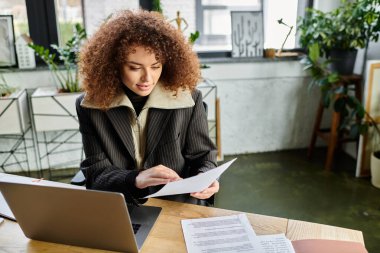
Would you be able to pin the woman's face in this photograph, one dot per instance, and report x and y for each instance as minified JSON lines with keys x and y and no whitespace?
{"x":141,"y":71}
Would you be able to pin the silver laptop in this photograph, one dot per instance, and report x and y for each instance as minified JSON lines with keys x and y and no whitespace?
{"x":86,"y":218}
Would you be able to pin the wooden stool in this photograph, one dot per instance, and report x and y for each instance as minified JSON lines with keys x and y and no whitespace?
{"x":331,"y":135}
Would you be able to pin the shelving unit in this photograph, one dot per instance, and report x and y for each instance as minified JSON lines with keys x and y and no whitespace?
{"x":210,"y":97}
{"x":16,"y":135}
{"x":56,"y":128}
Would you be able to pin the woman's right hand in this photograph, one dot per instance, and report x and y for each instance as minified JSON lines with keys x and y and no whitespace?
{"x":155,"y":176}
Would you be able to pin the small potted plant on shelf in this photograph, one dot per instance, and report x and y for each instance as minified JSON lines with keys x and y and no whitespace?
{"x":350,"y":108}
{"x":54,"y":108}
{"x":340,"y":32}
{"x":5,"y":89}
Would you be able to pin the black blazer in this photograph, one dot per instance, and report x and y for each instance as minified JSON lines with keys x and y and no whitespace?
{"x":176,"y":138}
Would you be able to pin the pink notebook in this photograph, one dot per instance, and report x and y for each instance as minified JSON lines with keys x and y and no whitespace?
{"x":327,"y":246}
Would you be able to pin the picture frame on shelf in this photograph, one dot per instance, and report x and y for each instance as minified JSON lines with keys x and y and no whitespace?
{"x":7,"y":42}
{"x":247,"y":33}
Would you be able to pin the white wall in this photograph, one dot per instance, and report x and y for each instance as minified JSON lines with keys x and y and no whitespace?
{"x":265,"y":106}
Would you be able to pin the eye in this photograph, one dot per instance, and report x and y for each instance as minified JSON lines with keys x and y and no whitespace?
{"x":134,"y":68}
{"x":156,"y":67}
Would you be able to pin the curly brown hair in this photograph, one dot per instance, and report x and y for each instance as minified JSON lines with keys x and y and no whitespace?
{"x":105,"y":52}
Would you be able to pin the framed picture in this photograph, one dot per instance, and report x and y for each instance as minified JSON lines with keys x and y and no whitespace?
{"x":247,"y":33}
{"x":7,"y":42}
{"x":372,"y":106}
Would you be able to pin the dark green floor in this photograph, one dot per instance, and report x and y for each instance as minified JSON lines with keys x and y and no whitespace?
{"x":286,"y":184}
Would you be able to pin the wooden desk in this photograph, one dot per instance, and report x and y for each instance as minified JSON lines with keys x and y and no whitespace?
{"x":167,"y":235}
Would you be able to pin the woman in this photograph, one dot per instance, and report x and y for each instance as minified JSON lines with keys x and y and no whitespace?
{"x":142,"y":121}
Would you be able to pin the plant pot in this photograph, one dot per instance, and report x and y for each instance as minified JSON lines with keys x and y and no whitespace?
{"x":375,"y":168}
{"x":342,"y":61}
{"x":14,"y":115}
{"x":269,"y":53}
{"x":53,"y":111}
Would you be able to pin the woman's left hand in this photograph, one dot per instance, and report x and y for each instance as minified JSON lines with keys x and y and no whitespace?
{"x":207,"y":193}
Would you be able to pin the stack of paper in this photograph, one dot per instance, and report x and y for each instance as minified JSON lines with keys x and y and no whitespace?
{"x":234,"y":233}
{"x":231,"y":233}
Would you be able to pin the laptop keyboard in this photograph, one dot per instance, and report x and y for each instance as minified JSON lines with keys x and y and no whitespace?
{"x":135,"y":227}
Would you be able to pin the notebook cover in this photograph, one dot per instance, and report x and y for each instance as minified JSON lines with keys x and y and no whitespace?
{"x":327,"y":246}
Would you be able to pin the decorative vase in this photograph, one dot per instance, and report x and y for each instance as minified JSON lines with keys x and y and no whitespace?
{"x":342,"y":61}
{"x":375,"y":169}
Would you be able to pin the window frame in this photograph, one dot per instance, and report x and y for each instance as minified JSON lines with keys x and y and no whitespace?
{"x":44,"y":29}
{"x":199,"y":10}
{"x":42,"y":22}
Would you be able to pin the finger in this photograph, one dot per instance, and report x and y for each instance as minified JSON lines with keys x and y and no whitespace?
{"x":169,"y":172}
{"x":210,"y":190}
{"x":156,"y":181}
{"x":200,"y":195}
{"x":163,"y":174}
{"x":176,"y":179}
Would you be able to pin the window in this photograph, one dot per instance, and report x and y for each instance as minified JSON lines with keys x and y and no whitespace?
{"x":17,"y":8}
{"x":37,"y":19}
{"x":275,"y":33}
{"x":213,"y":21}
{"x":69,"y":12}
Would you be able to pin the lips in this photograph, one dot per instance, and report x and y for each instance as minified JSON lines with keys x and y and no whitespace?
{"x":142,"y":86}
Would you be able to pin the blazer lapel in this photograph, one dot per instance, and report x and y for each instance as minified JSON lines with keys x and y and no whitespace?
{"x":121,"y":123}
{"x":158,"y":120}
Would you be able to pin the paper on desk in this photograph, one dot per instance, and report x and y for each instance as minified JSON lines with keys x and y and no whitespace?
{"x":276,"y":244}
{"x":192,"y":184}
{"x":4,"y":177}
{"x":231,"y":233}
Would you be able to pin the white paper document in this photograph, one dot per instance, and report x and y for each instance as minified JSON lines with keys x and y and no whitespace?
{"x":276,"y":243}
{"x":4,"y":177}
{"x":231,"y":233}
{"x":192,"y":184}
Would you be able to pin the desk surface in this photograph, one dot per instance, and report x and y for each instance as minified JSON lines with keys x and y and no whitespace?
{"x":167,"y":235}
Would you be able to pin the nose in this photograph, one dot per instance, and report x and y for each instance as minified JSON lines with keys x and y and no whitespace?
{"x":146,"y":76}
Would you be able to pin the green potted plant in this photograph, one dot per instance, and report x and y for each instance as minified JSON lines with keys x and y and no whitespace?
{"x":350,"y":108}
{"x":355,"y":120}
{"x":68,"y":54}
{"x":340,"y":32}
{"x":54,"y":108}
